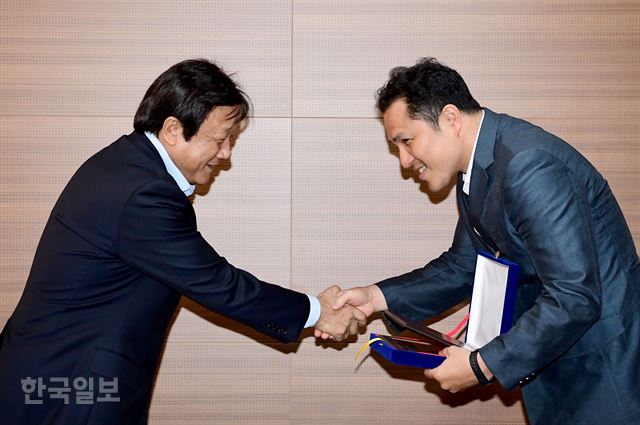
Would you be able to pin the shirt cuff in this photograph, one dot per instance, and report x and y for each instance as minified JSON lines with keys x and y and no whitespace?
{"x":314,"y":311}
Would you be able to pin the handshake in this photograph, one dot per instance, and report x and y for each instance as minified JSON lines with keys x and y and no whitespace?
{"x":342,"y":312}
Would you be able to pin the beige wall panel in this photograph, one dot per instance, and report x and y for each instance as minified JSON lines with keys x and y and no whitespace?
{"x":39,"y":155}
{"x":98,"y":58}
{"x":568,"y":59}
{"x":246,"y":213}
{"x":355,"y":219}
{"x":219,"y":383}
{"x":329,"y":387}
{"x":245,"y":216}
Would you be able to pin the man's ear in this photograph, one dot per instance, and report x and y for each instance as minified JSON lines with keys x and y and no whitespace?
{"x":171,"y":131}
{"x":451,"y":117}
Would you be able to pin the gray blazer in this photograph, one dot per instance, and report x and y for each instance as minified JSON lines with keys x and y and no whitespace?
{"x":575,"y":344}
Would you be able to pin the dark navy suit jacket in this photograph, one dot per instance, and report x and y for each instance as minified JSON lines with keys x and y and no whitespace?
{"x":575,"y":345}
{"x":120,"y":248}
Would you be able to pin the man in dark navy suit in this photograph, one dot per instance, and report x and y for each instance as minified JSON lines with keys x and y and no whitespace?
{"x":575,"y":344}
{"x":120,"y":248}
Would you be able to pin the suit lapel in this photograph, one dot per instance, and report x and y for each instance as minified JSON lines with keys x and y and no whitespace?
{"x":144,"y":145}
{"x":463,"y":206}
{"x":480,"y":178}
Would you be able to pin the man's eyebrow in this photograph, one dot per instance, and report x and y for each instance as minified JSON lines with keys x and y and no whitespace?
{"x":397,"y":137}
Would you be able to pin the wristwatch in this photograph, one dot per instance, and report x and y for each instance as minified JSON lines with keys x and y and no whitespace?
{"x":475,"y":367}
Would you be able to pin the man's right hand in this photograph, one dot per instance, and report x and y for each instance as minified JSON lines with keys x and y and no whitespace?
{"x":367,"y":299}
{"x":337,"y":323}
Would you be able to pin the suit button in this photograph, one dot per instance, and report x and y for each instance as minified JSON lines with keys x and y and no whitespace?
{"x":527,"y":379}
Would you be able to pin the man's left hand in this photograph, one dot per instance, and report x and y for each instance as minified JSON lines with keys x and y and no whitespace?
{"x":455,"y":374}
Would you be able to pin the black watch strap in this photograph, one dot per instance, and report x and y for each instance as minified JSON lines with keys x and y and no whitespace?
{"x":475,"y":367}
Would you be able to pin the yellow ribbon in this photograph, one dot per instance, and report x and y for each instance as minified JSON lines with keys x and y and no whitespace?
{"x":364,"y":347}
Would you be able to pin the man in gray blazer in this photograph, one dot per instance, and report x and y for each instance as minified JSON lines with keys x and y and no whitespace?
{"x":575,"y":344}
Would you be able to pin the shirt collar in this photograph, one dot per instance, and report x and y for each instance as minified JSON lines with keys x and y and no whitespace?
{"x":173,"y":171}
{"x":466,"y":177}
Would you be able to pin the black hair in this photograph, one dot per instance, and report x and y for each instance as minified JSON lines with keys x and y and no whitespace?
{"x":189,"y":91}
{"x":427,"y":87}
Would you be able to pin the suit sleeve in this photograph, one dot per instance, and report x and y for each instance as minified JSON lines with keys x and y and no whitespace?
{"x":549,"y":210}
{"x":158,"y":236}
{"x":436,"y":287}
